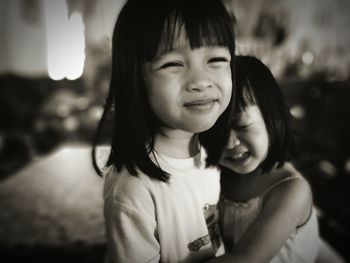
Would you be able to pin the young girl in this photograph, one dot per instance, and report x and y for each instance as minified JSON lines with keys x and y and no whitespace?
{"x":171,"y":80}
{"x":266,"y":213}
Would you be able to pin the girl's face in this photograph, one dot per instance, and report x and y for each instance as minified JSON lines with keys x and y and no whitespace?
{"x":188,"y":88}
{"x":248,"y":144}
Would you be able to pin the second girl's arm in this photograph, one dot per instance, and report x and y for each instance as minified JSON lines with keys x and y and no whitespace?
{"x":286,"y":206}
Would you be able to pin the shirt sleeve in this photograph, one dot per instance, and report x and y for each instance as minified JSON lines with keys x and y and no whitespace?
{"x":131,"y":232}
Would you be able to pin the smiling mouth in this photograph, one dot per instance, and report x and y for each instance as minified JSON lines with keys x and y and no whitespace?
{"x":200,"y":104}
{"x":238,"y":157}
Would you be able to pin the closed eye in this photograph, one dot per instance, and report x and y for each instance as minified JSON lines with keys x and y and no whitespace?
{"x":171,"y":64}
{"x":218,"y":61}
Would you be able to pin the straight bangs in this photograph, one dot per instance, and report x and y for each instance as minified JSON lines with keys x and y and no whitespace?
{"x":204,"y":25}
{"x":208,"y":27}
{"x":245,"y":96}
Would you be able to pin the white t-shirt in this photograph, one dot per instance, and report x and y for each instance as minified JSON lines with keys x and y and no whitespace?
{"x":150,"y":221}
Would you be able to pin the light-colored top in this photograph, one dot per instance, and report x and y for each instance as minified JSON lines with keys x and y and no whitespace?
{"x":151,"y":221}
{"x":236,"y":217}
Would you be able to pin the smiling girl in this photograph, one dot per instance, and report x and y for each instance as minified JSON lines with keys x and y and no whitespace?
{"x":171,"y":82}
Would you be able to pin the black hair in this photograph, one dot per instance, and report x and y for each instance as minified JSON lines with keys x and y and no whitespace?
{"x":256,"y":85}
{"x":143,"y":29}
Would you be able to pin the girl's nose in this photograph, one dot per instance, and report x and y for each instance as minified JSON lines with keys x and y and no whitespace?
{"x":198,"y":80}
{"x":233,"y":141}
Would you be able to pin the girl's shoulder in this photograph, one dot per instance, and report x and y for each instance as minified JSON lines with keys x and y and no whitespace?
{"x":127,"y":197}
{"x":287,"y":178}
{"x":289,"y":192}
{"x":282,"y":174}
{"x":123,"y":187}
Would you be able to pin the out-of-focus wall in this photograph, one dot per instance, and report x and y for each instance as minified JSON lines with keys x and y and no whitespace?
{"x":282,"y":32}
{"x":22,"y":38}
{"x":312,"y":33}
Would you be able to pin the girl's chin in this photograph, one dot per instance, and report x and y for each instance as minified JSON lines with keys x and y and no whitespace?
{"x":240,"y":169}
{"x":198,"y":127}
{"x":245,"y":170}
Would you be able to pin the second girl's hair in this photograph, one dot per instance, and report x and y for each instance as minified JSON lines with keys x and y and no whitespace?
{"x":255,"y":85}
{"x":143,"y":30}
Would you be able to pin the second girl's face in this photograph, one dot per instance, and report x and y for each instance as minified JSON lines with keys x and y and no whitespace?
{"x":188,"y":88}
{"x":248,"y":144}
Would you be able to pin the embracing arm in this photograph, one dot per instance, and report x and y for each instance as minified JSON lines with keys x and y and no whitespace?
{"x":285,"y":207}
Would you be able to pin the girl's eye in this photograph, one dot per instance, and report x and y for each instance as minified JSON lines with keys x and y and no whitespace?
{"x":171,"y":64}
{"x":217,"y":61}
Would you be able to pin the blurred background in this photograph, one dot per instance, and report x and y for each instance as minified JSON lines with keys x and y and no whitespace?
{"x":54,"y":74}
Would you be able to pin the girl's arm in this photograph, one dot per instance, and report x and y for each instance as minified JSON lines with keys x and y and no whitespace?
{"x":286,"y":206}
{"x":130,"y":219}
{"x":131,"y":234}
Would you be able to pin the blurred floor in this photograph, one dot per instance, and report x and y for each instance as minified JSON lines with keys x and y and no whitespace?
{"x":53,"y":208}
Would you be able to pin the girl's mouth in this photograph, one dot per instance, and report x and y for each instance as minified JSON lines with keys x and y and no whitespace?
{"x":238,"y":157}
{"x":199,"y":102}
{"x":200,"y":105}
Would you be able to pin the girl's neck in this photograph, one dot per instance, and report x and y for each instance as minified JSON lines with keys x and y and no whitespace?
{"x":242,"y":187}
{"x":256,"y":173}
{"x":242,"y":178}
{"x":177,"y":144}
